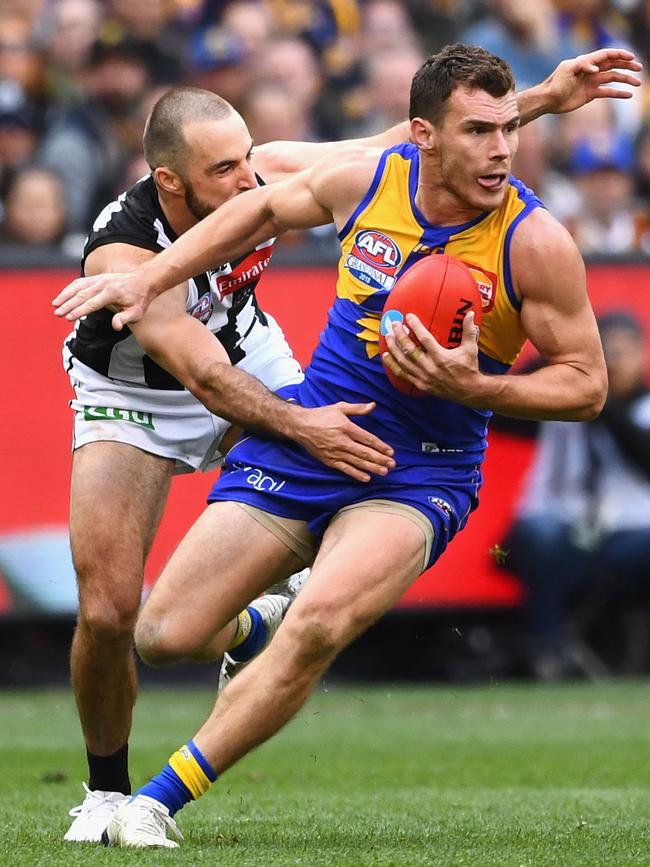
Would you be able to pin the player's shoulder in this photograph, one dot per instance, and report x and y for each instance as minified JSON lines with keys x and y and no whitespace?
{"x":136,"y":206}
{"x":544,"y":258}
{"x":542,"y":240}
{"x":135,"y":218}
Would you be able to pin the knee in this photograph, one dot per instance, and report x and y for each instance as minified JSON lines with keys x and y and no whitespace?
{"x":108,"y":602}
{"x":105,"y":620}
{"x":158,"y":644}
{"x":316,"y":634}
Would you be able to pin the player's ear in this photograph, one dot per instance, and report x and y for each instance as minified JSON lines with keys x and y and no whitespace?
{"x":423,"y":134}
{"x":168,"y":180}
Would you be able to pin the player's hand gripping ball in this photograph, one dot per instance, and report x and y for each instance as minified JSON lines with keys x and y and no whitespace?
{"x":441,"y":291}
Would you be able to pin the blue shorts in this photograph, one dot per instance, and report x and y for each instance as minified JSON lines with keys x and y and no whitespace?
{"x":283,"y":479}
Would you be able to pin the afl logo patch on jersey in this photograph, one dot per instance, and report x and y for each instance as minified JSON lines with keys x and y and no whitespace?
{"x":202,"y":310}
{"x":374,"y":259}
{"x":487,"y":284}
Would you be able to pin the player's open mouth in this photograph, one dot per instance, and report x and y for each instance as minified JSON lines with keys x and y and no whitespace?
{"x":492,"y":182}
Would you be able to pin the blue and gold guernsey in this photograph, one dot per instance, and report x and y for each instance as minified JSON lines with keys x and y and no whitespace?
{"x":384,"y":236}
{"x":439,"y":445}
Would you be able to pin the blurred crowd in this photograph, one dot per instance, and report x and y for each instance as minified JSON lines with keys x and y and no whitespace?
{"x":78,"y":78}
{"x":580,"y":542}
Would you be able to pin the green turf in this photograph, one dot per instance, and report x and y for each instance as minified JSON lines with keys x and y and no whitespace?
{"x":502,"y":776}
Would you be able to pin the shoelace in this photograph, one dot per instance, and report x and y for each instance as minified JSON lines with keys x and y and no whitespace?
{"x":152,"y":818}
{"x":75,"y":811}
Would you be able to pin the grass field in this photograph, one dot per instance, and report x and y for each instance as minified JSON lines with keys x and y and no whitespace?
{"x":501,"y":775}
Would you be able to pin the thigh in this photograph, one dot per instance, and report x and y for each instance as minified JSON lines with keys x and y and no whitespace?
{"x":167,"y":423}
{"x":367,"y":560}
{"x":118,"y":494}
{"x":225,"y":560}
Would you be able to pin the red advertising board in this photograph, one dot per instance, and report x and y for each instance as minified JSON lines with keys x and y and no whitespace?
{"x":35,"y":434}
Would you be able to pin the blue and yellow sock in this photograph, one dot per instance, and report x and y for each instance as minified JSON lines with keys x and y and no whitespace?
{"x":186,"y":777}
{"x":250,"y":637}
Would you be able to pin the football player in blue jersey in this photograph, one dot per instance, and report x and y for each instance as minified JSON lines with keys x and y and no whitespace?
{"x":370,"y":541}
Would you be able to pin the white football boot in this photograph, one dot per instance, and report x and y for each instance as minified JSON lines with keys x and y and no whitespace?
{"x":141,"y":823}
{"x":93,"y":815}
{"x":272,"y":606}
{"x":292,"y":585}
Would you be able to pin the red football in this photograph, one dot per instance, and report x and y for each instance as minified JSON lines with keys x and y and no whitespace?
{"x":441,"y":291}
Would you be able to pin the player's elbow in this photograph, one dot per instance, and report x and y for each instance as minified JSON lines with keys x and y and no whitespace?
{"x":594,"y":394}
{"x":594,"y":409}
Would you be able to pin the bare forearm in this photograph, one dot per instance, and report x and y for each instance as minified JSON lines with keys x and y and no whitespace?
{"x":558,"y":392}
{"x":533,"y":103}
{"x":215,"y":240}
{"x":237,"y":396}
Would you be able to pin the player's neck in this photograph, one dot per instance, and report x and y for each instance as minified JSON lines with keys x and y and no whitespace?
{"x":438,"y":203}
{"x":441,"y":207}
{"x":178,"y":215}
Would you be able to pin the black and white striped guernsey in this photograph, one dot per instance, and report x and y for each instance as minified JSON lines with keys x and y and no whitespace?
{"x":223,"y":299}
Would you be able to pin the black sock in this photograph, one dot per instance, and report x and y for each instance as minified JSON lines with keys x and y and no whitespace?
{"x":110,"y":773}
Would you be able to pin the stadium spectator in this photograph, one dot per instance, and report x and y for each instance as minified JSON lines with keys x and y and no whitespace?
{"x":19,"y":130}
{"x":609,"y":221}
{"x":639,"y":19}
{"x":584,"y":519}
{"x":34,"y":212}
{"x":389,"y":76}
{"x":592,"y":24}
{"x":71,"y":29}
{"x":594,"y":155}
{"x":136,"y":166}
{"x":272,"y":115}
{"x":319,"y":23}
{"x":595,"y":122}
{"x":440,"y":22}
{"x":290,"y":63}
{"x":20,"y":59}
{"x":88,"y":142}
{"x":525,"y":33}
{"x":341,"y":62}
{"x":533,"y":166}
{"x":533,"y":35}
{"x":216,"y":60}
{"x":387,"y":26}
{"x":148,"y":23}
{"x":251,"y":23}
{"x":643,"y":165}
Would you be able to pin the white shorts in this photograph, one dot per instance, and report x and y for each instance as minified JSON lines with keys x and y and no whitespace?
{"x":171,"y":424}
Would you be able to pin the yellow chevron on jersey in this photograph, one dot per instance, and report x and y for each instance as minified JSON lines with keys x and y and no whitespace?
{"x":387,"y":233}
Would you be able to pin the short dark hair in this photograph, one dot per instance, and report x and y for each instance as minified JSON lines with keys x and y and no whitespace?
{"x":163,"y":141}
{"x":456,"y":65}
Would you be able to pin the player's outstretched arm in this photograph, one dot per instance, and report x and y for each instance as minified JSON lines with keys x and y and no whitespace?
{"x":549,"y":274}
{"x":240,"y":224}
{"x":574,"y":83}
{"x":191,"y":353}
{"x":579,"y":80}
{"x":278,"y":160}
{"x":236,"y":227}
